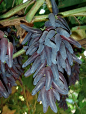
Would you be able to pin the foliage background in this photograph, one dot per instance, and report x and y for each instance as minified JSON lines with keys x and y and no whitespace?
{"x":21,"y":101}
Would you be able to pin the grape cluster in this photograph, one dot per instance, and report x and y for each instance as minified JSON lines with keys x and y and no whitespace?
{"x":75,"y":74}
{"x":10,"y":69}
{"x":51,"y":53}
{"x":8,"y":77}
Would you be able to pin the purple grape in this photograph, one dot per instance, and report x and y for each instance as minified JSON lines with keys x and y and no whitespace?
{"x":48,"y":78}
{"x":72,"y":41}
{"x":28,"y":73}
{"x":48,"y":24}
{"x":63,"y":22}
{"x":60,"y":84}
{"x":30,"y":29}
{"x":40,"y":74}
{"x":68,"y":46}
{"x":51,"y":101}
{"x":25,"y":48}
{"x":3,"y":90}
{"x":33,"y":50}
{"x":41,"y":47}
{"x":39,"y":86}
{"x":56,"y":94}
{"x":62,"y":32}
{"x":45,"y":109}
{"x":39,"y":97}
{"x":44,"y":96}
{"x":48,"y":54}
{"x":1,"y":34}
{"x":4,"y":43}
{"x":62,"y":62}
{"x":42,"y":38}
{"x":68,"y":67}
{"x":10,"y":54}
{"x":32,"y":41}
{"x":11,"y":80}
{"x":52,"y":19}
{"x":32,"y":47}
{"x":61,"y":77}
{"x":61,"y":91}
{"x":36,"y":64}
{"x":3,"y":68}
{"x":70,"y":58}
{"x":12,"y":72}
{"x":76,"y":59}
{"x":39,"y":68}
{"x":30,"y":60}
{"x":7,"y":74}
{"x":49,"y":43}
{"x":43,"y":56}
{"x":57,"y":41}
{"x":53,"y":56}
{"x":35,"y":35}
{"x":63,"y":51}
{"x":27,"y":38}
{"x":60,"y":69}
{"x":54,"y":7}
{"x":59,"y":24}
{"x":55,"y":72}
{"x":50,"y":34}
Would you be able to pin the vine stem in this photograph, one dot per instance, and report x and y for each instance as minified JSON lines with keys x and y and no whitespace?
{"x":33,"y":10}
{"x":73,"y":12}
{"x":78,"y":27}
{"x":17,"y":20}
{"x":16,"y":9}
{"x":49,"y":5}
{"x":20,"y":52}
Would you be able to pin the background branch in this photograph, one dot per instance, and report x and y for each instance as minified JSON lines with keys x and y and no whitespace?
{"x":17,"y":20}
{"x":16,"y":9}
{"x":33,"y":10}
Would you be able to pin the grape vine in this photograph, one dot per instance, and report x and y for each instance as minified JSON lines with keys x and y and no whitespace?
{"x":52,"y":60}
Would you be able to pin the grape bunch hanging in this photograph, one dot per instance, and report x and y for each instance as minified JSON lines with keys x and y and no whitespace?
{"x":10,"y":69}
{"x":51,"y":54}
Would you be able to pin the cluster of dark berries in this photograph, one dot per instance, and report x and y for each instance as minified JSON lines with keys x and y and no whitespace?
{"x":51,"y":53}
{"x":10,"y":69}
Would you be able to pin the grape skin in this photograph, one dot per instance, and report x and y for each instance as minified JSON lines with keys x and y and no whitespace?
{"x":40,"y":74}
{"x":29,"y":29}
{"x":55,"y":72}
{"x":48,"y":80}
{"x":57,"y":41}
{"x":39,"y":68}
{"x":54,"y":7}
{"x":51,"y":101}
{"x":63,"y":51}
{"x":4,"y":43}
{"x":27,"y":38}
{"x":52,"y":19}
